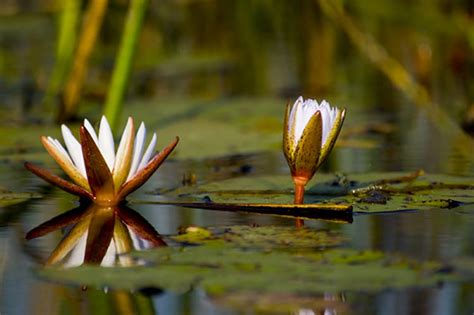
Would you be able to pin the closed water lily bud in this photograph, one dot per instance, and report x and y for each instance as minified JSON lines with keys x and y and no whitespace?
{"x":310,"y":131}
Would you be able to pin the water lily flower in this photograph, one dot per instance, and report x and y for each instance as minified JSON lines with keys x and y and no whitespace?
{"x":310,"y":132}
{"x":98,"y":172}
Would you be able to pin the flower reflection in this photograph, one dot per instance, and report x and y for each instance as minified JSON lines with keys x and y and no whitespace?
{"x":295,"y":304}
{"x":98,"y":172}
{"x":330,"y":304}
{"x":98,"y":235}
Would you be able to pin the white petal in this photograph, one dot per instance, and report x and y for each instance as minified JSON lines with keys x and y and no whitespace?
{"x":148,"y":153}
{"x":326,"y":120}
{"x":291,"y":119}
{"x":91,"y":130}
{"x":334,"y":112}
{"x":296,"y":120}
{"x":74,"y":149}
{"x":106,"y":143}
{"x":302,"y":117}
{"x":303,"y":110}
{"x":60,"y":149}
{"x":137,"y":150}
{"x":119,"y":159}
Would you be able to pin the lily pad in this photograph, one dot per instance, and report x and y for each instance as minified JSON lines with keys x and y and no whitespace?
{"x":267,"y":237}
{"x":238,"y":260}
{"x":367,"y":193}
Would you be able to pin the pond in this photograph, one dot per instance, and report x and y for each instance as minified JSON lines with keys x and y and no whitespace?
{"x":412,"y":252}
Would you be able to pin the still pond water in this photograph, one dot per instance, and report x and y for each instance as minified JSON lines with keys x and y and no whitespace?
{"x":437,"y":234}
{"x":227,"y":107}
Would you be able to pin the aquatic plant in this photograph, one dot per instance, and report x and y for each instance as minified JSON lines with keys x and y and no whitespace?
{"x":101,"y":174}
{"x":309,"y":134}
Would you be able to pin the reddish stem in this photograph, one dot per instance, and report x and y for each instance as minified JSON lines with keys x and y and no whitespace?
{"x":299,"y":199}
{"x":299,"y":194}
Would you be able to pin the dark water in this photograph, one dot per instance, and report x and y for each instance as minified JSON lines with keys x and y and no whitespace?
{"x":209,"y":50}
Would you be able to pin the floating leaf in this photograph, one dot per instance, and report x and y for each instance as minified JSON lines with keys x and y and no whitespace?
{"x":367,"y":193}
{"x":268,"y":237}
{"x":262,"y":261}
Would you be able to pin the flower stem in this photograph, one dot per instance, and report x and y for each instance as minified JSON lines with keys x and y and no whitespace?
{"x":299,"y":194}
{"x":299,"y":199}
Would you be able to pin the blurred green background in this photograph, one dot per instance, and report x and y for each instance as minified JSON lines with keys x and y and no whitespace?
{"x":353,"y":52}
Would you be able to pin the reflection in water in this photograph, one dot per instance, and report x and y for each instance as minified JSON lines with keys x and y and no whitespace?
{"x":329,"y":304}
{"x":98,"y":235}
{"x":280,"y":303}
{"x":94,"y":301}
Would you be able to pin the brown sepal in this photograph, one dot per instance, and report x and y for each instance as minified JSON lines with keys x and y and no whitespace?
{"x":145,"y":173}
{"x":58,"y":181}
{"x":98,"y":173}
{"x":308,"y":149}
{"x":288,"y":135}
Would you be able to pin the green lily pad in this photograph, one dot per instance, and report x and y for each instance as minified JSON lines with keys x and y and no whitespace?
{"x":367,"y":193}
{"x":228,"y":262}
{"x":267,"y":237}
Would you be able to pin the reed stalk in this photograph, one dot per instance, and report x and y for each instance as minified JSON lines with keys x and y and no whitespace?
{"x":124,"y":61}
{"x":89,"y":32}
{"x":68,"y":21}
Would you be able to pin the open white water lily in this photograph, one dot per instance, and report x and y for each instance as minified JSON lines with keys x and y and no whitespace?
{"x":310,"y":132}
{"x":99,"y":173}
